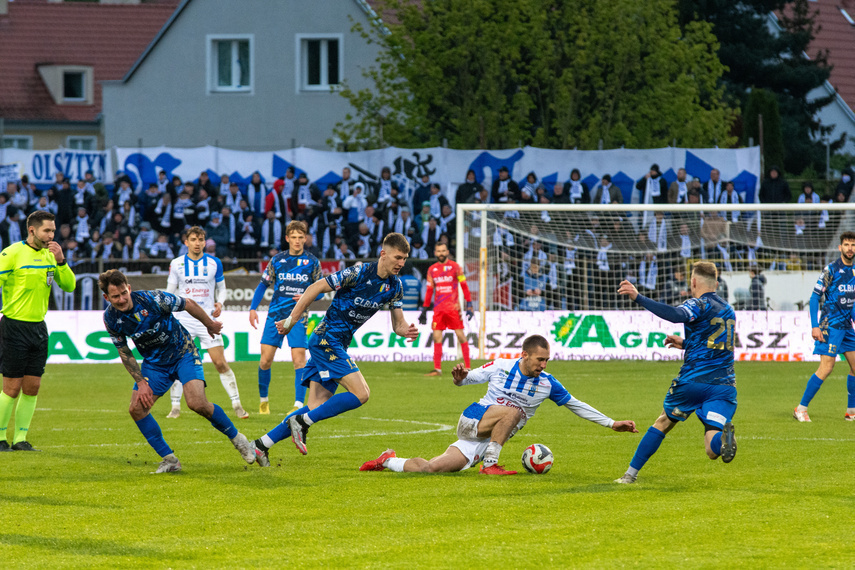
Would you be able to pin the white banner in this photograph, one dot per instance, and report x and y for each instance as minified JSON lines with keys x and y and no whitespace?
{"x":8,"y":172}
{"x":79,"y":336}
{"x":42,"y":165}
{"x":445,"y":166}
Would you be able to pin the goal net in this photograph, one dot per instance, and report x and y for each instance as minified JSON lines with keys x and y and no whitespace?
{"x":573,"y":257}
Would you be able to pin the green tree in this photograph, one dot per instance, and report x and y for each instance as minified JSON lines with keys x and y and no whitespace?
{"x":551,"y":73}
{"x":762,"y":102}
{"x":757,"y":58}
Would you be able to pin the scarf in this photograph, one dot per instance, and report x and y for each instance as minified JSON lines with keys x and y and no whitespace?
{"x":233,"y":201}
{"x":647,"y":275}
{"x":658,"y":236}
{"x":446,"y":224}
{"x":124,"y":194}
{"x":403,"y":226}
{"x":569,"y":261}
{"x":726,"y":257}
{"x":271,"y":233}
{"x":503,"y":190}
{"x":576,"y":191}
{"x":82,"y":230}
{"x":800,"y":230}
{"x":344,"y":189}
{"x":15,"y":231}
{"x":714,"y":191}
{"x":685,"y":246}
{"x":653,"y":191}
{"x":435,"y":206}
{"x":254,"y":197}
{"x":603,"y":258}
{"x":823,"y":219}
{"x":385,"y":192}
{"x":607,"y":195}
{"x":248,"y":232}
{"x":682,"y":192}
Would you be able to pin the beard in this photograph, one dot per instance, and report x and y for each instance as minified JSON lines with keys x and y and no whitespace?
{"x":441,"y":258}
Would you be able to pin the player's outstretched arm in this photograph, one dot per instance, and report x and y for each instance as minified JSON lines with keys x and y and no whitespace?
{"x":661,"y":310}
{"x":192,"y":307}
{"x":674,"y":341}
{"x":628,"y":289}
{"x":317,"y":288}
{"x":145,"y":395}
{"x":625,"y":425}
{"x":402,"y":327}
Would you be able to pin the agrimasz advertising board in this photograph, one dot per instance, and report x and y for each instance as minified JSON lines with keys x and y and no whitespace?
{"x":79,"y":336}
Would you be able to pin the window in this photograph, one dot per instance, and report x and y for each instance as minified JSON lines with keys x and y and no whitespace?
{"x":320,"y":63}
{"x":73,"y":86}
{"x":82,"y":143}
{"x":230,"y":63}
{"x":22,"y":142}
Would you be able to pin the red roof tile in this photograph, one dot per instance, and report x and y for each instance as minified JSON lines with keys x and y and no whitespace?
{"x":838,"y":37}
{"x":108,"y":37}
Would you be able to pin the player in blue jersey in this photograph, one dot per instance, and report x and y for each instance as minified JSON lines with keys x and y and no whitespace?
{"x":516,"y":388}
{"x":290,"y":273}
{"x":706,"y":384}
{"x":169,"y":354}
{"x":831,"y":306}
{"x":360,"y":291}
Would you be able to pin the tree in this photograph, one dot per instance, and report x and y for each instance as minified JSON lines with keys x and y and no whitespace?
{"x":551,"y":73}
{"x":757,"y":58}
{"x":762,"y":102}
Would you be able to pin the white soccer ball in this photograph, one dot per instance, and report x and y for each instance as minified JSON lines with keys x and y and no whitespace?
{"x":537,"y":459}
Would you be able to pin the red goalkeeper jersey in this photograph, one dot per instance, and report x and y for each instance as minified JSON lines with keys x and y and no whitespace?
{"x":442,"y":278}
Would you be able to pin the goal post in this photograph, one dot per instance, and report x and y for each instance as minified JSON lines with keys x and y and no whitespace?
{"x":571,"y":257}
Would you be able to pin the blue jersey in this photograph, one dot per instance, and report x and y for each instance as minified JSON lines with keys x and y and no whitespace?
{"x":290,"y":275}
{"x":834,"y":297}
{"x":360,"y":293}
{"x":158,"y":335}
{"x":708,"y":345}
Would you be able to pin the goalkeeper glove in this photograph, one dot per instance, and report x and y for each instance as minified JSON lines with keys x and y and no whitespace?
{"x":423,"y":316}
{"x":469,"y":312}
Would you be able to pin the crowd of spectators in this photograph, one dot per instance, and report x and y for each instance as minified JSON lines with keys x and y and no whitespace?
{"x":586,"y":255}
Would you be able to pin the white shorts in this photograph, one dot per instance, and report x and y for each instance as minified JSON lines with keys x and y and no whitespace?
{"x":473,"y":451}
{"x":198,"y":330}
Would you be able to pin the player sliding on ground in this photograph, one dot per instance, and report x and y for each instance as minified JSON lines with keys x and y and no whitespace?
{"x":198,"y":275}
{"x":516,"y":388}
{"x":831,"y":306}
{"x":706,"y":384}
{"x":169,"y":354}
{"x":442,"y":278}
{"x":361,"y":291}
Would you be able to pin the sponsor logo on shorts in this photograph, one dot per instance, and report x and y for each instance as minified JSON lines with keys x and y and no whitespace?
{"x":324,"y":374}
{"x":717,"y":418}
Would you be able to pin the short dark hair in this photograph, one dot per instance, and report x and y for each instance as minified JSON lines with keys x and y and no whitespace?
{"x":111,"y":277}
{"x":37,"y":218}
{"x":845,"y":236}
{"x":534,"y":341}
{"x":396,"y":241}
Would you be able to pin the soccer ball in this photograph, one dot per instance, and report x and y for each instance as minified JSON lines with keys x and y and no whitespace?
{"x":537,"y":459}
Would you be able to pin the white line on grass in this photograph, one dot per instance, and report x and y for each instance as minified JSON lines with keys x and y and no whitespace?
{"x":436,"y":428}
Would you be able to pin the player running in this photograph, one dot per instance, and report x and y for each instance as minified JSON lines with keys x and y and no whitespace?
{"x":831,"y":306}
{"x":290,"y":272}
{"x":168,"y":354}
{"x":198,"y":275}
{"x":443,"y":277}
{"x":516,"y":389}
{"x":706,"y":383}
{"x":361,"y":291}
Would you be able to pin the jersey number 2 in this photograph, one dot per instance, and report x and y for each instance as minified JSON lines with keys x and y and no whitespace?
{"x":723,"y":326}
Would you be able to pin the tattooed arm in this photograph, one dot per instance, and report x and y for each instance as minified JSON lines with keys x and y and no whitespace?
{"x":146,"y":396}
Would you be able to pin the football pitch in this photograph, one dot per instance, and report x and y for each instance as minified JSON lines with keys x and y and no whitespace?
{"x":89,"y":500}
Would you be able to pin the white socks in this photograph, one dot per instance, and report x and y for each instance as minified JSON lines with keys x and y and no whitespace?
{"x":491,"y":455}
{"x":395,"y":464}
{"x":229,"y":382}
{"x":175,"y":393}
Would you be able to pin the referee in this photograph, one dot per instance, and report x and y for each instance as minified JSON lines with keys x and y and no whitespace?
{"x":27,"y":270}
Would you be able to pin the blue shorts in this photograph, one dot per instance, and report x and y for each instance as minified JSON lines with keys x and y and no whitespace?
{"x":475,"y":411}
{"x":160,"y":377}
{"x":714,"y":404}
{"x":837,"y":341}
{"x":296,"y":337}
{"x":328,"y":362}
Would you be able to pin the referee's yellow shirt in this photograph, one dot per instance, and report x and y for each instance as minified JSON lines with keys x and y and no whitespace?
{"x":26,"y":275}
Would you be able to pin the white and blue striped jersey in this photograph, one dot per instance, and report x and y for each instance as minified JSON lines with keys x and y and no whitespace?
{"x":507,"y":386}
{"x":197,"y":279}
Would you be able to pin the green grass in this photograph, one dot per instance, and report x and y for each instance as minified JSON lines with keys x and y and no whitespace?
{"x":89,"y":501}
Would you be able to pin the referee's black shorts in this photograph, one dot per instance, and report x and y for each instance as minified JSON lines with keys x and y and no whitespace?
{"x":23,"y":348}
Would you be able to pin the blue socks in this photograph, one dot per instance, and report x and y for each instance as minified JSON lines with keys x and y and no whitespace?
{"x":647,"y":447}
{"x":221,"y":421}
{"x":151,"y":431}
{"x":813,"y":386}
{"x":715,"y":443}
{"x":299,"y":389}
{"x":336,"y":405}
{"x":850,"y":391}
{"x":263,"y":382}
{"x":282,"y":431}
